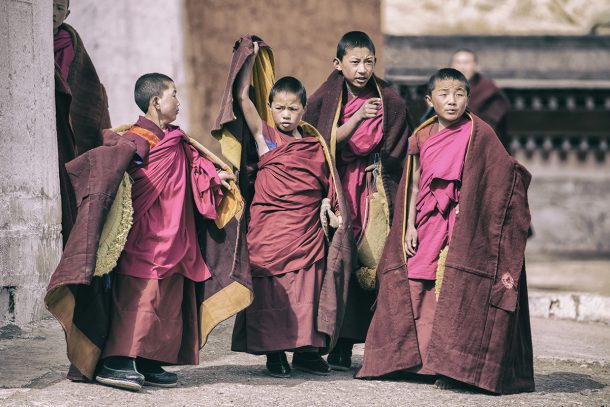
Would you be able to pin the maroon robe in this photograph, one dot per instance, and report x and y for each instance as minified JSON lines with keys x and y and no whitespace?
{"x":481,"y":333}
{"x":287,"y":245}
{"x":89,"y":108}
{"x":66,"y":147}
{"x":489,"y":103}
{"x":321,"y":112}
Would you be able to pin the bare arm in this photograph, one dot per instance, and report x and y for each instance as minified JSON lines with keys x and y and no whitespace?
{"x":411,"y":240}
{"x":368,"y":110}
{"x":242,"y":87}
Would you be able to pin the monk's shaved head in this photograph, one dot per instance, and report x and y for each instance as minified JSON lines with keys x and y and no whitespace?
{"x":149,"y":86}
{"x":354,"y":39}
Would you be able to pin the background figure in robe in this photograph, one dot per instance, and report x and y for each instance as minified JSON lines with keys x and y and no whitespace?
{"x":452,"y":296}
{"x":366,"y":125}
{"x":486,"y":100}
{"x":89,"y":106}
{"x":154,"y":319}
{"x":80,"y":104}
{"x":286,"y":242}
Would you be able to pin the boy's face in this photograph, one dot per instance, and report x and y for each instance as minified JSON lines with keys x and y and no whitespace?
{"x":287,"y":111}
{"x":167,"y":104}
{"x":60,"y":13}
{"x":357,"y":66}
{"x":465,"y":63}
{"x":449,"y":100}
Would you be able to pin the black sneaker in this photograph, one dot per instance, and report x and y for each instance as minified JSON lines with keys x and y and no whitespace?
{"x":155,"y":375}
{"x":277,"y":365}
{"x":124,"y":378}
{"x":310,"y":362}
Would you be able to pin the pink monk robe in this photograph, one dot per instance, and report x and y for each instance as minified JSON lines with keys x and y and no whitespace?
{"x":64,"y":52}
{"x":354,"y":157}
{"x":441,"y":165}
{"x":163,"y":239}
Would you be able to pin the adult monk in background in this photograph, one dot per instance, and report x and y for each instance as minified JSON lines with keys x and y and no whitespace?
{"x":486,"y":100}
{"x":365,"y":123}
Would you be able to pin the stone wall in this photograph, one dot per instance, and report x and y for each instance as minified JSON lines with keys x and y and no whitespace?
{"x":495,"y":17}
{"x":126,"y":39}
{"x":304,"y":37}
{"x":30,"y":240}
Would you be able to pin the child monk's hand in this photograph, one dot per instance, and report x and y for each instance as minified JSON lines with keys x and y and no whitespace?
{"x":370,"y":108}
{"x":225,"y":177}
{"x":411,"y":241}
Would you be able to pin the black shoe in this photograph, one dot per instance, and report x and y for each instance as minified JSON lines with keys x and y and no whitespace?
{"x":340,"y":358}
{"x":310,"y":362}
{"x":155,"y":375}
{"x":124,"y":378}
{"x":277,"y":365}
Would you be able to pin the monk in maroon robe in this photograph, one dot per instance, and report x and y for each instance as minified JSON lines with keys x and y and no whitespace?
{"x":365,"y":123}
{"x":154,"y":312}
{"x":294,"y":198}
{"x":454,"y":265}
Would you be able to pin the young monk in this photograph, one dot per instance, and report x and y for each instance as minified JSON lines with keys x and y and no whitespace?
{"x":365,"y":123}
{"x":154,"y":310}
{"x":461,"y":231}
{"x":293,"y":203}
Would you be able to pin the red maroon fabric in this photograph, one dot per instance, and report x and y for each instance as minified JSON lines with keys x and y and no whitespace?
{"x":154,"y":319}
{"x":163,"y":238}
{"x":284,"y":311}
{"x":64,"y":52}
{"x":489,"y":103}
{"x":285,"y":233}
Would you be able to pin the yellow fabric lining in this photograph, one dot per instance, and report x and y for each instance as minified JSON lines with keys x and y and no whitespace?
{"x":222,"y":305}
{"x":83,"y":353}
{"x":263,"y":78}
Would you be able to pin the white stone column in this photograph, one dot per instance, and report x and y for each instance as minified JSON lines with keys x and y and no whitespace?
{"x":30,"y":210}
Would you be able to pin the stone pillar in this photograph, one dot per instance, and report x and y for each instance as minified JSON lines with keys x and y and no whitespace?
{"x":30,"y":211}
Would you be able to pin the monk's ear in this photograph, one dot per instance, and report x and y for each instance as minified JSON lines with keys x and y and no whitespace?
{"x":154,"y":103}
{"x":67,"y":14}
{"x":337,"y":64}
{"x":429,"y":101}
